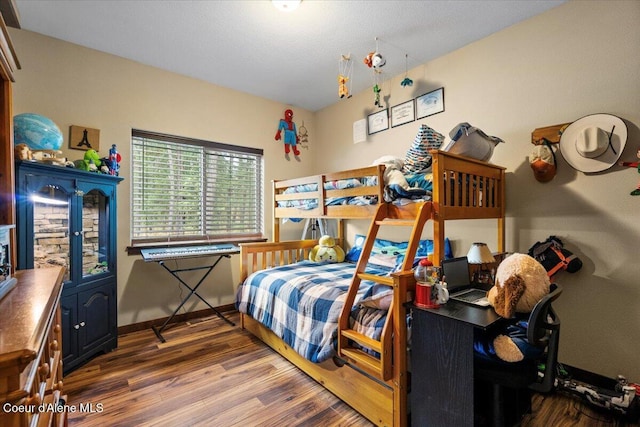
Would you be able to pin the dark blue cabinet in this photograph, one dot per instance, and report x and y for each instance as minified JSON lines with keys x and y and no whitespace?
{"x":67,"y":217}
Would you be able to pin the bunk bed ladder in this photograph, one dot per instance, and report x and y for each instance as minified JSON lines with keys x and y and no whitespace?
{"x":350,"y":341}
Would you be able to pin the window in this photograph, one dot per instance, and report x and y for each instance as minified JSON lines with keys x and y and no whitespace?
{"x":191,"y":190}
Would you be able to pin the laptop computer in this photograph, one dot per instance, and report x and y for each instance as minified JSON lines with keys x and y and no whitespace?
{"x":456,"y":274}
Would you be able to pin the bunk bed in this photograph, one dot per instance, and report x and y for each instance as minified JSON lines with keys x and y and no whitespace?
{"x":371,"y":374}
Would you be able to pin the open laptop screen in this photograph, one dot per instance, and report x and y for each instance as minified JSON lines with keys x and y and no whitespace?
{"x":456,"y":272}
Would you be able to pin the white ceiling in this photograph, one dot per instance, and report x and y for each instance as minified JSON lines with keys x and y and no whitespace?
{"x":291,"y":58}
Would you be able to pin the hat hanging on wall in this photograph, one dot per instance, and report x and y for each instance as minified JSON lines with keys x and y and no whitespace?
{"x":594,"y":143}
{"x":543,"y":162}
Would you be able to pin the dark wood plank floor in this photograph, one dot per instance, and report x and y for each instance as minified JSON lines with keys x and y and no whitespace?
{"x":209,"y":373}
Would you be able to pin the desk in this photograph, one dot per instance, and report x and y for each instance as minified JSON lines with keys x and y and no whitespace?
{"x":161,"y":255}
{"x":442,"y":363}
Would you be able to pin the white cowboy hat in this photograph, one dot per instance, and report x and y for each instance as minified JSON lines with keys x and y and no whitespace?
{"x":594,"y":143}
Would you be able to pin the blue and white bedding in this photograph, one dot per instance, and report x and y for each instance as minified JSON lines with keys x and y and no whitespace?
{"x":307,"y":204}
{"x":301,"y":303}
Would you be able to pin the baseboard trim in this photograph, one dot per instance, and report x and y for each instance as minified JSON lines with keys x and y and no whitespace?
{"x":135,"y":327}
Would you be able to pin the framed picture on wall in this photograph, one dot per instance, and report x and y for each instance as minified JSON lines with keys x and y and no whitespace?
{"x":84,"y":138}
{"x":377,"y":122}
{"x":430,"y":103}
{"x":402,"y":113}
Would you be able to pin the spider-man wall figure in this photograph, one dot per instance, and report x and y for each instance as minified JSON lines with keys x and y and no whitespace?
{"x":290,"y":133}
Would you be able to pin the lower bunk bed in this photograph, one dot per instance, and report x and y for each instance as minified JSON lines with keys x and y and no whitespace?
{"x":365,"y":366}
{"x":310,"y":346}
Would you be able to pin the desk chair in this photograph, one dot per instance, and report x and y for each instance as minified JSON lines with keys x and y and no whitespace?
{"x":514,"y":381}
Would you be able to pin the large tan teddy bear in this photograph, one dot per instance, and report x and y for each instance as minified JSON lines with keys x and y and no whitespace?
{"x":520,"y":283}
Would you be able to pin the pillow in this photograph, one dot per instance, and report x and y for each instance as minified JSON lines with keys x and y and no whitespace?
{"x":388,"y":161}
{"x":418,"y":158}
{"x":384,"y":251}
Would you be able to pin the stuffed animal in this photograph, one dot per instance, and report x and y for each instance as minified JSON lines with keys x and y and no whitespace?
{"x":395,"y":180}
{"x":326,"y":250}
{"x":520,"y":283}
{"x":22,"y":152}
{"x":343,"y":90}
{"x":91,"y":161}
{"x":554,"y":257}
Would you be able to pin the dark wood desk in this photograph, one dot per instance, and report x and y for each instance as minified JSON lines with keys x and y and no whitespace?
{"x":442,"y":363}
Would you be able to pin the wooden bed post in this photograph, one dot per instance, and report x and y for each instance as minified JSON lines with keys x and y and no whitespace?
{"x":275,"y":230}
{"x":501,"y":218}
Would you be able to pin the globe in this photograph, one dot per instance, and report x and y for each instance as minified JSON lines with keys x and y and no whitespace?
{"x":38,"y":132}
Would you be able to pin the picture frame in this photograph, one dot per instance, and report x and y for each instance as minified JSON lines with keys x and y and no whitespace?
{"x":84,"y":138}
{"x":378,"y":121}
{"x":430,"y":103}
{"x":403,"y":113}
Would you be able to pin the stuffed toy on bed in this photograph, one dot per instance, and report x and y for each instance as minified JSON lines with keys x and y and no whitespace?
{"x":326,"y":250}
{"x":394,"y":179}
{"x":520,"y":283}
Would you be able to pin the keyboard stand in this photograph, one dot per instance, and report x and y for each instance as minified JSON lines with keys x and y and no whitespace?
{"x":192,"y":291}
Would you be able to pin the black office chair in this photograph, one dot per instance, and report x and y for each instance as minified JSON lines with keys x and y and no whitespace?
{"x":512,"y":383}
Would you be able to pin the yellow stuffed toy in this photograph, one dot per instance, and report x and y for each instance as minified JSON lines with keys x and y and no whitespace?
{"x":326,"y":250}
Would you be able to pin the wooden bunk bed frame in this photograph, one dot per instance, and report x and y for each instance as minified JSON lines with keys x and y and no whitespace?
{"x":463,"y":188}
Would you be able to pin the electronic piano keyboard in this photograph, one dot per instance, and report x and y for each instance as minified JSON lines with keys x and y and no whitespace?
{"x":179,"y":252}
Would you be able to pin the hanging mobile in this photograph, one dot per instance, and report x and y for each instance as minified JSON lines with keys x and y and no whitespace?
{"x":376,"y":61}
{"x":345,"y":68}
{"x":407,"y":81}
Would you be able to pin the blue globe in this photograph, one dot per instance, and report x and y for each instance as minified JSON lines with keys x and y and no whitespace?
{"x":38,"y":132}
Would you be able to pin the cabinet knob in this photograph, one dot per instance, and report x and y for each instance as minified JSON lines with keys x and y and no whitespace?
{"x":76,"y":326}
{"x":82,"y":323}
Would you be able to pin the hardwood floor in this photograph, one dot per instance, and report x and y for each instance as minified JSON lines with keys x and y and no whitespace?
{"x":209,"y":373}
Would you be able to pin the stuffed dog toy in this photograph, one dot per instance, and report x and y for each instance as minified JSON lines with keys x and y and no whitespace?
{"x":521,"y":282}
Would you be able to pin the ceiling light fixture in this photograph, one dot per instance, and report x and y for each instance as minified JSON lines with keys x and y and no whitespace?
{"x":286,"y":5}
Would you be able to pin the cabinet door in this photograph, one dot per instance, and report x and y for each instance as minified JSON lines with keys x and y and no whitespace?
{"x":97,"y":318}
{"x":46,"y":220}
{"x":97,"y":253}
{"x":70,"y":327}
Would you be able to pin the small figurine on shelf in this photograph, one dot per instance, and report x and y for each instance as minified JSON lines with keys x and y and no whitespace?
{"x":635,"y":192}
{"x":115,"y":159}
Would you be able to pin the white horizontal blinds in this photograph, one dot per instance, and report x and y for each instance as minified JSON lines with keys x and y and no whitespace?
{"x":231,"y":193}
{"x":187,"y":189}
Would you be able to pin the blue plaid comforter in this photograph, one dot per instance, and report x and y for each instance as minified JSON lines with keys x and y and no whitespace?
{"x":301,"y":303}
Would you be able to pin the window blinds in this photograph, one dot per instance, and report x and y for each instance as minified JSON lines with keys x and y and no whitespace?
{"x":193,"y":190}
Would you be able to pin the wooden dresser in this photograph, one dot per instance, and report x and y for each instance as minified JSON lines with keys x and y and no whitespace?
{"x":30,"y":351}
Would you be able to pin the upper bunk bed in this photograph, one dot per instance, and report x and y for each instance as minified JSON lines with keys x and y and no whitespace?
{"x":459,"y":188}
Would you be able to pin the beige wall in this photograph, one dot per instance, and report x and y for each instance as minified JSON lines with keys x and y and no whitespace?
{"x":73,"y":85}
{"x":577,"y":59}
